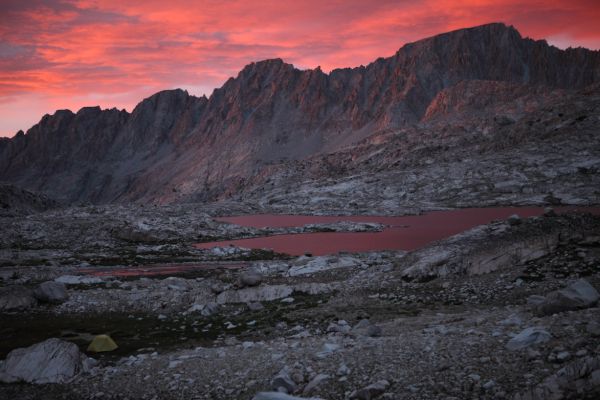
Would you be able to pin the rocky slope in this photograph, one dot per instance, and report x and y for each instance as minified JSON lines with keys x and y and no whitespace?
{"x":176,"y":147}
{"x":15,"y":201}
{"x":459,"y":319}
{"x":525,"y":148}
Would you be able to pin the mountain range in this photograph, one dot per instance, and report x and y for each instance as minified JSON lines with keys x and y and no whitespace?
{"x":275,"y":127}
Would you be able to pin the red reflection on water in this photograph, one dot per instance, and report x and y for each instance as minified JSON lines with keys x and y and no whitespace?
{"x":406,"y":232}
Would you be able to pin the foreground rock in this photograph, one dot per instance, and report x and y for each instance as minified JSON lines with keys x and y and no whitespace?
{"x":16,"y":298}
{"x":577,"y":379}
{"x":366,"y":328}
{"x":283,"y":383}
{"x":581,"y":294}
{"x":528,"y":337}
{"x":494,"y":247}
{"x":250,"y":278}
{"x":52,"y":361}
{"x":51,"y":292}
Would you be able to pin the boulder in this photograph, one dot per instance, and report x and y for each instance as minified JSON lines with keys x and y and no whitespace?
{"x":371,"y":391}
{"x":577,"y":380}
{"x":535,"y":300}
{"x":322,"y":263}
{"x":593,"y":328}
{"x":580,"y":294}
{"x":135,"y":235}
{"x":255,"y":306}
{"x":176,"y":284}
{"x":514,"y":220}
{"x":315,"y":382}
{"x":283,"y":382}
{"x":51,"y":292}
{"x":366,"y":328}
{"x":16,"y":298}
{"x":51,"y":361}
{"x":250,"y":278}
{"x":209,"y":309}
{"x":528,"y":337}
{"x":340,"y":326}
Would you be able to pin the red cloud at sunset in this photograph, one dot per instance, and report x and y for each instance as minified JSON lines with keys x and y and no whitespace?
{"x":72,"y":53}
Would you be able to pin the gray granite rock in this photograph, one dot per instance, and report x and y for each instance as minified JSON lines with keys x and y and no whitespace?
{"x":51,"y":292}
{"x":51,"y":361}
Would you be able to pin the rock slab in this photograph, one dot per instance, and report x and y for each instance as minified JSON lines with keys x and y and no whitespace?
{"x":51,"y":361}
{"x":51,"y":292}
{"x":580,"y":294}
{"x":528,"y":337}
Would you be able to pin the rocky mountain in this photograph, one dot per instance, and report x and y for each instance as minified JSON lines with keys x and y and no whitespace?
{"x":259,"y":126}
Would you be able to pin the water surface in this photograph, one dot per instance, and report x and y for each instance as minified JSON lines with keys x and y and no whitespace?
{"x":403,"y":232}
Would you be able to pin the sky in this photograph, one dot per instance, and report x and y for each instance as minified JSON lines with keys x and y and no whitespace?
{"x":57,"y":54}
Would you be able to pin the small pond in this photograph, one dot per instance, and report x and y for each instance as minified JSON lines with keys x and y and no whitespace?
{"x":401,"y":233}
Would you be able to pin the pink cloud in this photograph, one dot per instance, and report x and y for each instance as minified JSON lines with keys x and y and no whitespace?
{"x":73,"y":53}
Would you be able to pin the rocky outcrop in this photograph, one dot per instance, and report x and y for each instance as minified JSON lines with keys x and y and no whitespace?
{"x":578,"y":295}
{"x":507,"y":99}
{"x":216,"y":147}
{"x":495,"y":246}
{"x":528,"y":337}
{"x":579,"y":379}
{"x":52,"y":361}
{"x":250,"y":278}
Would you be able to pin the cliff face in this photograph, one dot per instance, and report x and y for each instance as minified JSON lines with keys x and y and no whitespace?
{"x":174,"y":146}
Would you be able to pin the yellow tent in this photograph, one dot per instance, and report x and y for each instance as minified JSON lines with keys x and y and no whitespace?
{"x":102,"y":343}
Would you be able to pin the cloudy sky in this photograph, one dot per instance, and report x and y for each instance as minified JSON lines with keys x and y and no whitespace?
{"x":57,"y":54}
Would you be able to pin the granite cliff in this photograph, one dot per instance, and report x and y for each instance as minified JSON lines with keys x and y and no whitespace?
{"x":177,"y":147}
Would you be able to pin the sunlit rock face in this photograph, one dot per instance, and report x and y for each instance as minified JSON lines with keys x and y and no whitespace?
{"x":177,"y":147}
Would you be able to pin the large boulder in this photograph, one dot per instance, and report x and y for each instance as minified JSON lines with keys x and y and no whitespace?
{"x":365,"y":328}
{"x":16,"y":298}
{"x":250,"y":278}
{"x":51,"y":292}
{"x":528,"y":337}
{"x":577,"y":380}
{"x":283,"y":382}
{"x":581,"y":294}
{"x":51,"y":361}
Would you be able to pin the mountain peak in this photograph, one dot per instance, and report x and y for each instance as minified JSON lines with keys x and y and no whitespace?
{"x":492,"y":32}
{"x":265,"y":67}
{"x":274,"y":111}
{"x":493,"y":28}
